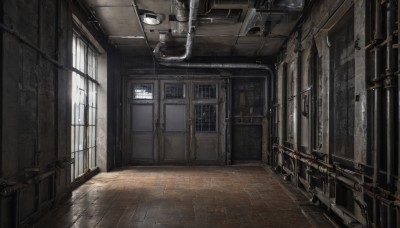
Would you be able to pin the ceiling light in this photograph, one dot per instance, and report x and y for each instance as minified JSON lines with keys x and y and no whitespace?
{"x":152,"y":18}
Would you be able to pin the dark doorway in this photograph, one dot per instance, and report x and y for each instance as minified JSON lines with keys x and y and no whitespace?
{"x":248,"y":114}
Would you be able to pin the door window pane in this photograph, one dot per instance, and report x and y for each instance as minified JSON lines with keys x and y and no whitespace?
{"x":174,"y":91}
{"x":205,"y":91}
{"x":175,"y":118}
{"x":143,"y":91}
{"x":205,"y":117}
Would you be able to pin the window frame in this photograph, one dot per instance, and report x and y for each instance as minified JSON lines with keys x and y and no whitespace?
{"x":90,"y":124}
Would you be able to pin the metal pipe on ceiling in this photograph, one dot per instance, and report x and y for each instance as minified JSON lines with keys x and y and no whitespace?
{"x":194,"y":5}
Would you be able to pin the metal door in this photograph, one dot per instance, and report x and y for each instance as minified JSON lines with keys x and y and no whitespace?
{"x":174,"y":122}
{"x":204,"y":129}
{"x":142,"y":110}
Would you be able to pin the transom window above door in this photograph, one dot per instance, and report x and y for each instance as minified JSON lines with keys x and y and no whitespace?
{"x":175,"y":91}
{"x":142,"y":91}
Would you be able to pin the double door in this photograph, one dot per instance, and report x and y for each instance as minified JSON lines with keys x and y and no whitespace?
{"x":173,"y":122}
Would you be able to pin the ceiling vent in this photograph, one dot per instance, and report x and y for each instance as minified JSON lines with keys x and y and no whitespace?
{"x":259,"y":24}
{"x":220,"y":16}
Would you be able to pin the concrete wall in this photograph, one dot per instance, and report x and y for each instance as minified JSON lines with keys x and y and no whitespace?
{"x":35,"y":105}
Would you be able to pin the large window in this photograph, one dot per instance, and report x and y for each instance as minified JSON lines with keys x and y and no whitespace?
{"x":84,"y":107}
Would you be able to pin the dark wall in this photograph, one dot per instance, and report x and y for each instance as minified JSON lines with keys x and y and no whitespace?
{"x":35,"y":105}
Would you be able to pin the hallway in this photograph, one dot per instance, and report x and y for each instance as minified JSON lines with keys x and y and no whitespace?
{"x":180,"y":197}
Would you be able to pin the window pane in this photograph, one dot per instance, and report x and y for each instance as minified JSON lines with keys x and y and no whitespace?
{"x":143,"y":91}
{"x":174,"y":91}
{"x":205,"y":117}
{"x":205,"y":91}
{"x":95,"y":96}
{"x":74,"y":51}
{"x":72,"y":138}
{"x":83,"y":108}
{"x":92,"y":63}
{"x":76,"y":142}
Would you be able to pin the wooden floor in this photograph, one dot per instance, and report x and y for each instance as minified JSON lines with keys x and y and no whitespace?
{"x":180,"y":197}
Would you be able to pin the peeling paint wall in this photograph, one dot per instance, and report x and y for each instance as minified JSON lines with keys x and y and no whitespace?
{"x":302,"y":116}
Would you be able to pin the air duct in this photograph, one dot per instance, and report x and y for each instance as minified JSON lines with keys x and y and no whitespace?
{"x":194,"y":5}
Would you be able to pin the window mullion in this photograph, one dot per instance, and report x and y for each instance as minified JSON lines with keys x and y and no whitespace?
{"x":86,"y":109}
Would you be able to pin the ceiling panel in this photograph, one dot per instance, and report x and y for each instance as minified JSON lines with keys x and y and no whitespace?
{"x":119,"y":21}
{"x":131,"y":50}
{"x":129,"y":41}
{"x":245,"y":49}
{"x":108,"y":3}
{"x":218,"y":29}
{"x":271,"y":46}
{"x":213,"y":46}
{"x":249,"y":40}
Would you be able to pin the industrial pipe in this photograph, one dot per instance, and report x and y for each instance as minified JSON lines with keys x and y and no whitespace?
{"x":389,"y":85}
{"x":389,"y":91}
{"x":352,"y":183}
{"x":377,"y":107}
{"x":398,"y":120}
{"x":194,"y":5}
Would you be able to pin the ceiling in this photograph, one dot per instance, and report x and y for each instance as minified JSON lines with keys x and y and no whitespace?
{"x":225,"y":27}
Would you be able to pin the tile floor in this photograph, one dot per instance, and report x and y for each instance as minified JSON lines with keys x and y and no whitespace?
{"x":179,"y":197}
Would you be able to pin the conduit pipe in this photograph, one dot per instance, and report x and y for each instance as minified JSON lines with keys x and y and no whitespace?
{"x":194,"y":5}
{"x":389,"y":92}
{"x":352,"y":183}
{"x":377,"y":106}
{"x":389,"y":85}
{"x":270,"y":90}
{"x":398,"y":120}
{"x":297,"y":119}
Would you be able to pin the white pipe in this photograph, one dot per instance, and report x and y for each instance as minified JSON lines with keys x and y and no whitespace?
{"x":194,"y":5}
